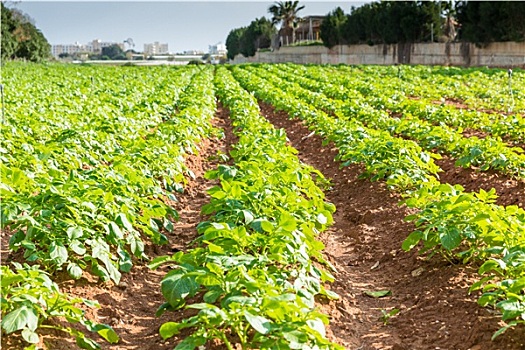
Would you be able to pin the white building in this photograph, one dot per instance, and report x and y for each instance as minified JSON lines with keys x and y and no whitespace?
{"x":98,"y":45}
{"x":156,"y":48}
{"x":217,"y":49}
{"x":94,"y":46}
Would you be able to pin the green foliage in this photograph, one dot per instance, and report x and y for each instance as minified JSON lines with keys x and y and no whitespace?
{"x":363,"y":111}
{"x":20,"y":38}
{"x":30,"y":298}
{"x":247,"y":40}
{"x":89,"y":175}
{"x":487,"y":21}
{"x":285,"y":12}
{"x":233,"y":42}
{"x":385,"y":22}
{"x":258,"y":35}
{"x":84,"y":189}
{"x":254,"y":263}
{"x":113,"y":52}
{"x":331,"y":28}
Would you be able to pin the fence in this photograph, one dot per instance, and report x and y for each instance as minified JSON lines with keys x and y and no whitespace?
{"x":501,"y":54}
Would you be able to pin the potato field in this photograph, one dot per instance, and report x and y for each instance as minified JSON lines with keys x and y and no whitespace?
{"x":262,"y":206}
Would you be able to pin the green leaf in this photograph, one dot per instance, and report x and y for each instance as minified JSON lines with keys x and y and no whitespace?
{"x":58,"y":253}
{"x":77,"y":247}
{"x":108,"y":333}
{"x":176,"y":285}
{"x":113,"y":227}
{"x":169,"y":329}
{"x":322,"y":219}
{"x":262,"y":225}
{"x":412,"y":240}
{"x":74,"y":232}
{"x":296,"y":339}
{"x":190,"y":343}
{"x":99,"y":271}
{"x":504,"y":329}
{"x":19,"y":319}
{"x":489,"y":265}
{"x":259,"y":323}
{"x":74,"y":270}
{"x":122,"y":220}
{"x":317,"y":325}
{"x":208,"y":280}
{"x":287,"y":222}
{"x":227,"y":172}
{"x":248,"y":216}
{"x":86,"y":343}
{"x":160,"y":260}
{"x":211,"y":296}
{"x":378,"y":293}
{"x":452,"y":239}
{"x":30,"y":336}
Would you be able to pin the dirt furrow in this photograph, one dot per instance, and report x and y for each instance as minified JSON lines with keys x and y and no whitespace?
{"x":130,"y":307}
{"x":364,"y":244}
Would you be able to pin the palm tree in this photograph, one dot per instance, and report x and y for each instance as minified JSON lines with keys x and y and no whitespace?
{"x":285,"y":12}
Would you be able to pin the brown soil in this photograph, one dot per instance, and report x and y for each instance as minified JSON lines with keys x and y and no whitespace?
{"x":364,"y":243}
{"x":472,"y":132}
{"x":130,"y":307}
{"x":460,"y":104}
{"x":510,"y":191}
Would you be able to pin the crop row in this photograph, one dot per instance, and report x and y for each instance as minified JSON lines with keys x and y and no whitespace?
{"x":87,"y":176}
{"x":458,"y":224}
{"x":475,"y":88}
{"x":390,"y":93}
{"x":486,"y":153}
{"x":254,"y":263}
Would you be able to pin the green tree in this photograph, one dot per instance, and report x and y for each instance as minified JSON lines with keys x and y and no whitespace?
{"x":487,"y":21}
{"x":233,"y":42}
{"x":20,"y":37}
{"x":113,"y":52}
{"x":258,"y":35}
{"x":286,"y":13}
{"x":332,"y":28}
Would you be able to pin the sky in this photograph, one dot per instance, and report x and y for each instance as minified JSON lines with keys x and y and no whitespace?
{"x":184,"y":25}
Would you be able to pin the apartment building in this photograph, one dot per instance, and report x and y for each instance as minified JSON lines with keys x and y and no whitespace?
{"x":156,"y":48}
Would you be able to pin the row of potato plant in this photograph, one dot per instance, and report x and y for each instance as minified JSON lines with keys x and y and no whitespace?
{"x":87,"y":175}
{"x":486,"y":153}
{"x":255,"y":265}
{"x":450,"y":221}
{"x":390,"y":93}
{"x":402,"y":163}
{"x":476,"y":88}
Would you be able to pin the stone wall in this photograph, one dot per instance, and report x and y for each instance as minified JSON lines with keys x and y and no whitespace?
{"x":504,"y":54}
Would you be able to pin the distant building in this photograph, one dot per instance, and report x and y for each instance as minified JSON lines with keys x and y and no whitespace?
{"x":70,"y":49}
{"x":218,"y":49}
{"x":309,"y":28}
{"x":156,"y":48}
{"x":94,"y":46}
{"x":98,"y":45}
{"x":193,"y":52}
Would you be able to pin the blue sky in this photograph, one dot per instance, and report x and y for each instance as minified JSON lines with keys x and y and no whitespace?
{"x":183,"y":25}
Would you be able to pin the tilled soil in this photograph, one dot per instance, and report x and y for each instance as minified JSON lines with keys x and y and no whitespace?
{"x":364,"y":245}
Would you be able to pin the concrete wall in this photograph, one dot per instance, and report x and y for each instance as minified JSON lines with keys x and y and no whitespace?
{"x":505,"y":54}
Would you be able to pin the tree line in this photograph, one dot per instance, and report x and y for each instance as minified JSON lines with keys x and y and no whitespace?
{"x":20,"y":38}
{"x":260,"y":32}
{"x":389,"y":22}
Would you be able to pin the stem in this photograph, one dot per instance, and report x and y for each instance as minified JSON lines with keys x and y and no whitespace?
{"x":222,"y":336}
